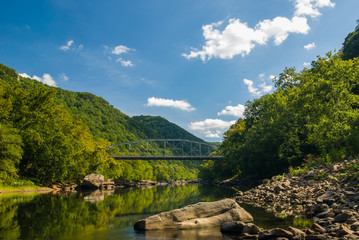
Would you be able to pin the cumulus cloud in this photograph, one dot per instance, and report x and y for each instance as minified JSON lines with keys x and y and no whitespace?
{"x":238,"y":38}
{"x":262,"y":87}
{"x":121,"y":49}
{"x":310,"y":46}
{"x":46,"y":78}
{"x":71,"y":46}
{"x":272,"y":77}
{"x":161,"y":102}
{"x":63,"y":77}
{"x":236,"y":111}
{"x":311,"y":7}
{"x":125,"y":63}
{"x":211,"y":128}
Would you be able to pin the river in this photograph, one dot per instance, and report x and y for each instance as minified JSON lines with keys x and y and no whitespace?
{"x":81,"y":216}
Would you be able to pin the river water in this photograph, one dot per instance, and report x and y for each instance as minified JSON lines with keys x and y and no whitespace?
{"x":81,"y":216}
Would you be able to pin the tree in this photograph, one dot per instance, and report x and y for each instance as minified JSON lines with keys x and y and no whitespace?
{"x":350,"y":47}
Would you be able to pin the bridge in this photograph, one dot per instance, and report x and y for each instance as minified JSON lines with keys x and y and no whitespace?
{"x":163,"y":149}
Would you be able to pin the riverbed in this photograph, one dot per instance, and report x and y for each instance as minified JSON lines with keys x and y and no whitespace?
{"x":111,"y":215}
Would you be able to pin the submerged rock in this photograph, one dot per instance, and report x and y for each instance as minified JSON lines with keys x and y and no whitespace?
{"x":198,"y":215}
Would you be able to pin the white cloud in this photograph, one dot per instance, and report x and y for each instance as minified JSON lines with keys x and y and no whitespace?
{"x":211,"y":128}
{"x":71,"y":46}
{"x":236,"y":111}
{"x":239,"y":39}
{"x":46,"y":78}
{"x":265,"y":88}
{"x":272,"y":77}
{"x":63,"y":77}
{"x":262,"y":87}
{"x":306,"y":64}
{"x":125,"y":63}
{"x":161,"y":102}
{"x":25,"y":75}
{"x":311,"y":7}
{"x":310,"y":46}
{"x":67,"y":46}
{"x":251,"y":89}
{"x":121,"y":49}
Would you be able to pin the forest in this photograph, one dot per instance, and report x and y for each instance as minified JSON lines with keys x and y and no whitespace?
{"x":311,"y":118}
{"x":51,"y":135}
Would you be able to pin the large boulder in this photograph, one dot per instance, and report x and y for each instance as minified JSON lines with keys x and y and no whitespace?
{"x":203,"y":214}
{"x":93,"y":181}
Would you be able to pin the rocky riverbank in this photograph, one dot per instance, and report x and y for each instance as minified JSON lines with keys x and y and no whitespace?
{"x":97,"y":181}
{"x":328,"y":195}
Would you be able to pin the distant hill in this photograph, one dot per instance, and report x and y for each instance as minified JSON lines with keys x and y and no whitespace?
{"x":83,"y":119}
{"x":108,"y":122}
{"x":159,"y":127}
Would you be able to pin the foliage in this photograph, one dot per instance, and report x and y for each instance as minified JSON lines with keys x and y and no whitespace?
{"x":312,"y":114}
{"x":52,"y":135}
{"x":159,"y":127}
{"x":298,"y":171}
{"x":350,"y":48}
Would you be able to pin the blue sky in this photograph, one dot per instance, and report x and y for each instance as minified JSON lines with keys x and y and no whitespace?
{"x":195,"y":63}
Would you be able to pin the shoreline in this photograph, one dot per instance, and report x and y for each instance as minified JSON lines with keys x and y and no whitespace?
{"x":328,"y":195}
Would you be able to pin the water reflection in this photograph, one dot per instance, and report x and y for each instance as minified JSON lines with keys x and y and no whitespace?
{"x":111,"y":214}
{"x":82,"y":215}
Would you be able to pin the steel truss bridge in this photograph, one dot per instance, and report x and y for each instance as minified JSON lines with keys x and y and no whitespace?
{"x":163,"y":149}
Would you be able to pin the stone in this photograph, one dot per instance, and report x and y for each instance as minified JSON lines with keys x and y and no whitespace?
{"x":328,"y":196}
{"x":250,"y":228}
{"x":275,"y":234}
{"x":93,"y":181}
{"x":318,"y":228}
{"x":343,"y":230}
{"x":278,"y":232}
{"x":297,"y":232}
{"x":316,"y":237}
{"x":341,"y":218}
{"x":233,"y":227}
{"x":355,"y":226}
{"x":203,"y":214}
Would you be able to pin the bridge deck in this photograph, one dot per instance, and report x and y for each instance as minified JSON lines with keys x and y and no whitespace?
{"x":198,"y":158}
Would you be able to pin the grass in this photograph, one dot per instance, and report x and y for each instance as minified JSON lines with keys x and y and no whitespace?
{"x":18,"y":186}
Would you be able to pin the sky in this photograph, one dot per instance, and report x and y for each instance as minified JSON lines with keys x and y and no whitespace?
{"x":195,"y":63}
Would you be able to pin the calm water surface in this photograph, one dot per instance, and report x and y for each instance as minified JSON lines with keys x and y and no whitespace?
{"x":94,"y":215}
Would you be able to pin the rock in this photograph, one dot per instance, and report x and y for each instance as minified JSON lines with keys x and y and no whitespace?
{"x":328,"y":196}
{"x":318,"y":228}
{"x":343,"y":230}
{"x":355,"y":226}
{"x":198,"y":215}
{"x":250,"y":228}
{"x":239,"y":227}
{"x":275,"y":234}
{"x":316,"y":237}
{"x":233,"y":227}
{"x":147,"y":183}
{"x":69,"y":187}
{"x":341,"y":218}
{"x":278,"y":232}
{"x":109,"y":184}
{"x":93,"y":181}
{"x":297,"y":232}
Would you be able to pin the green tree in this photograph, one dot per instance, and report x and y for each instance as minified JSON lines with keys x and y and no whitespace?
{"x":350,"y":47}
